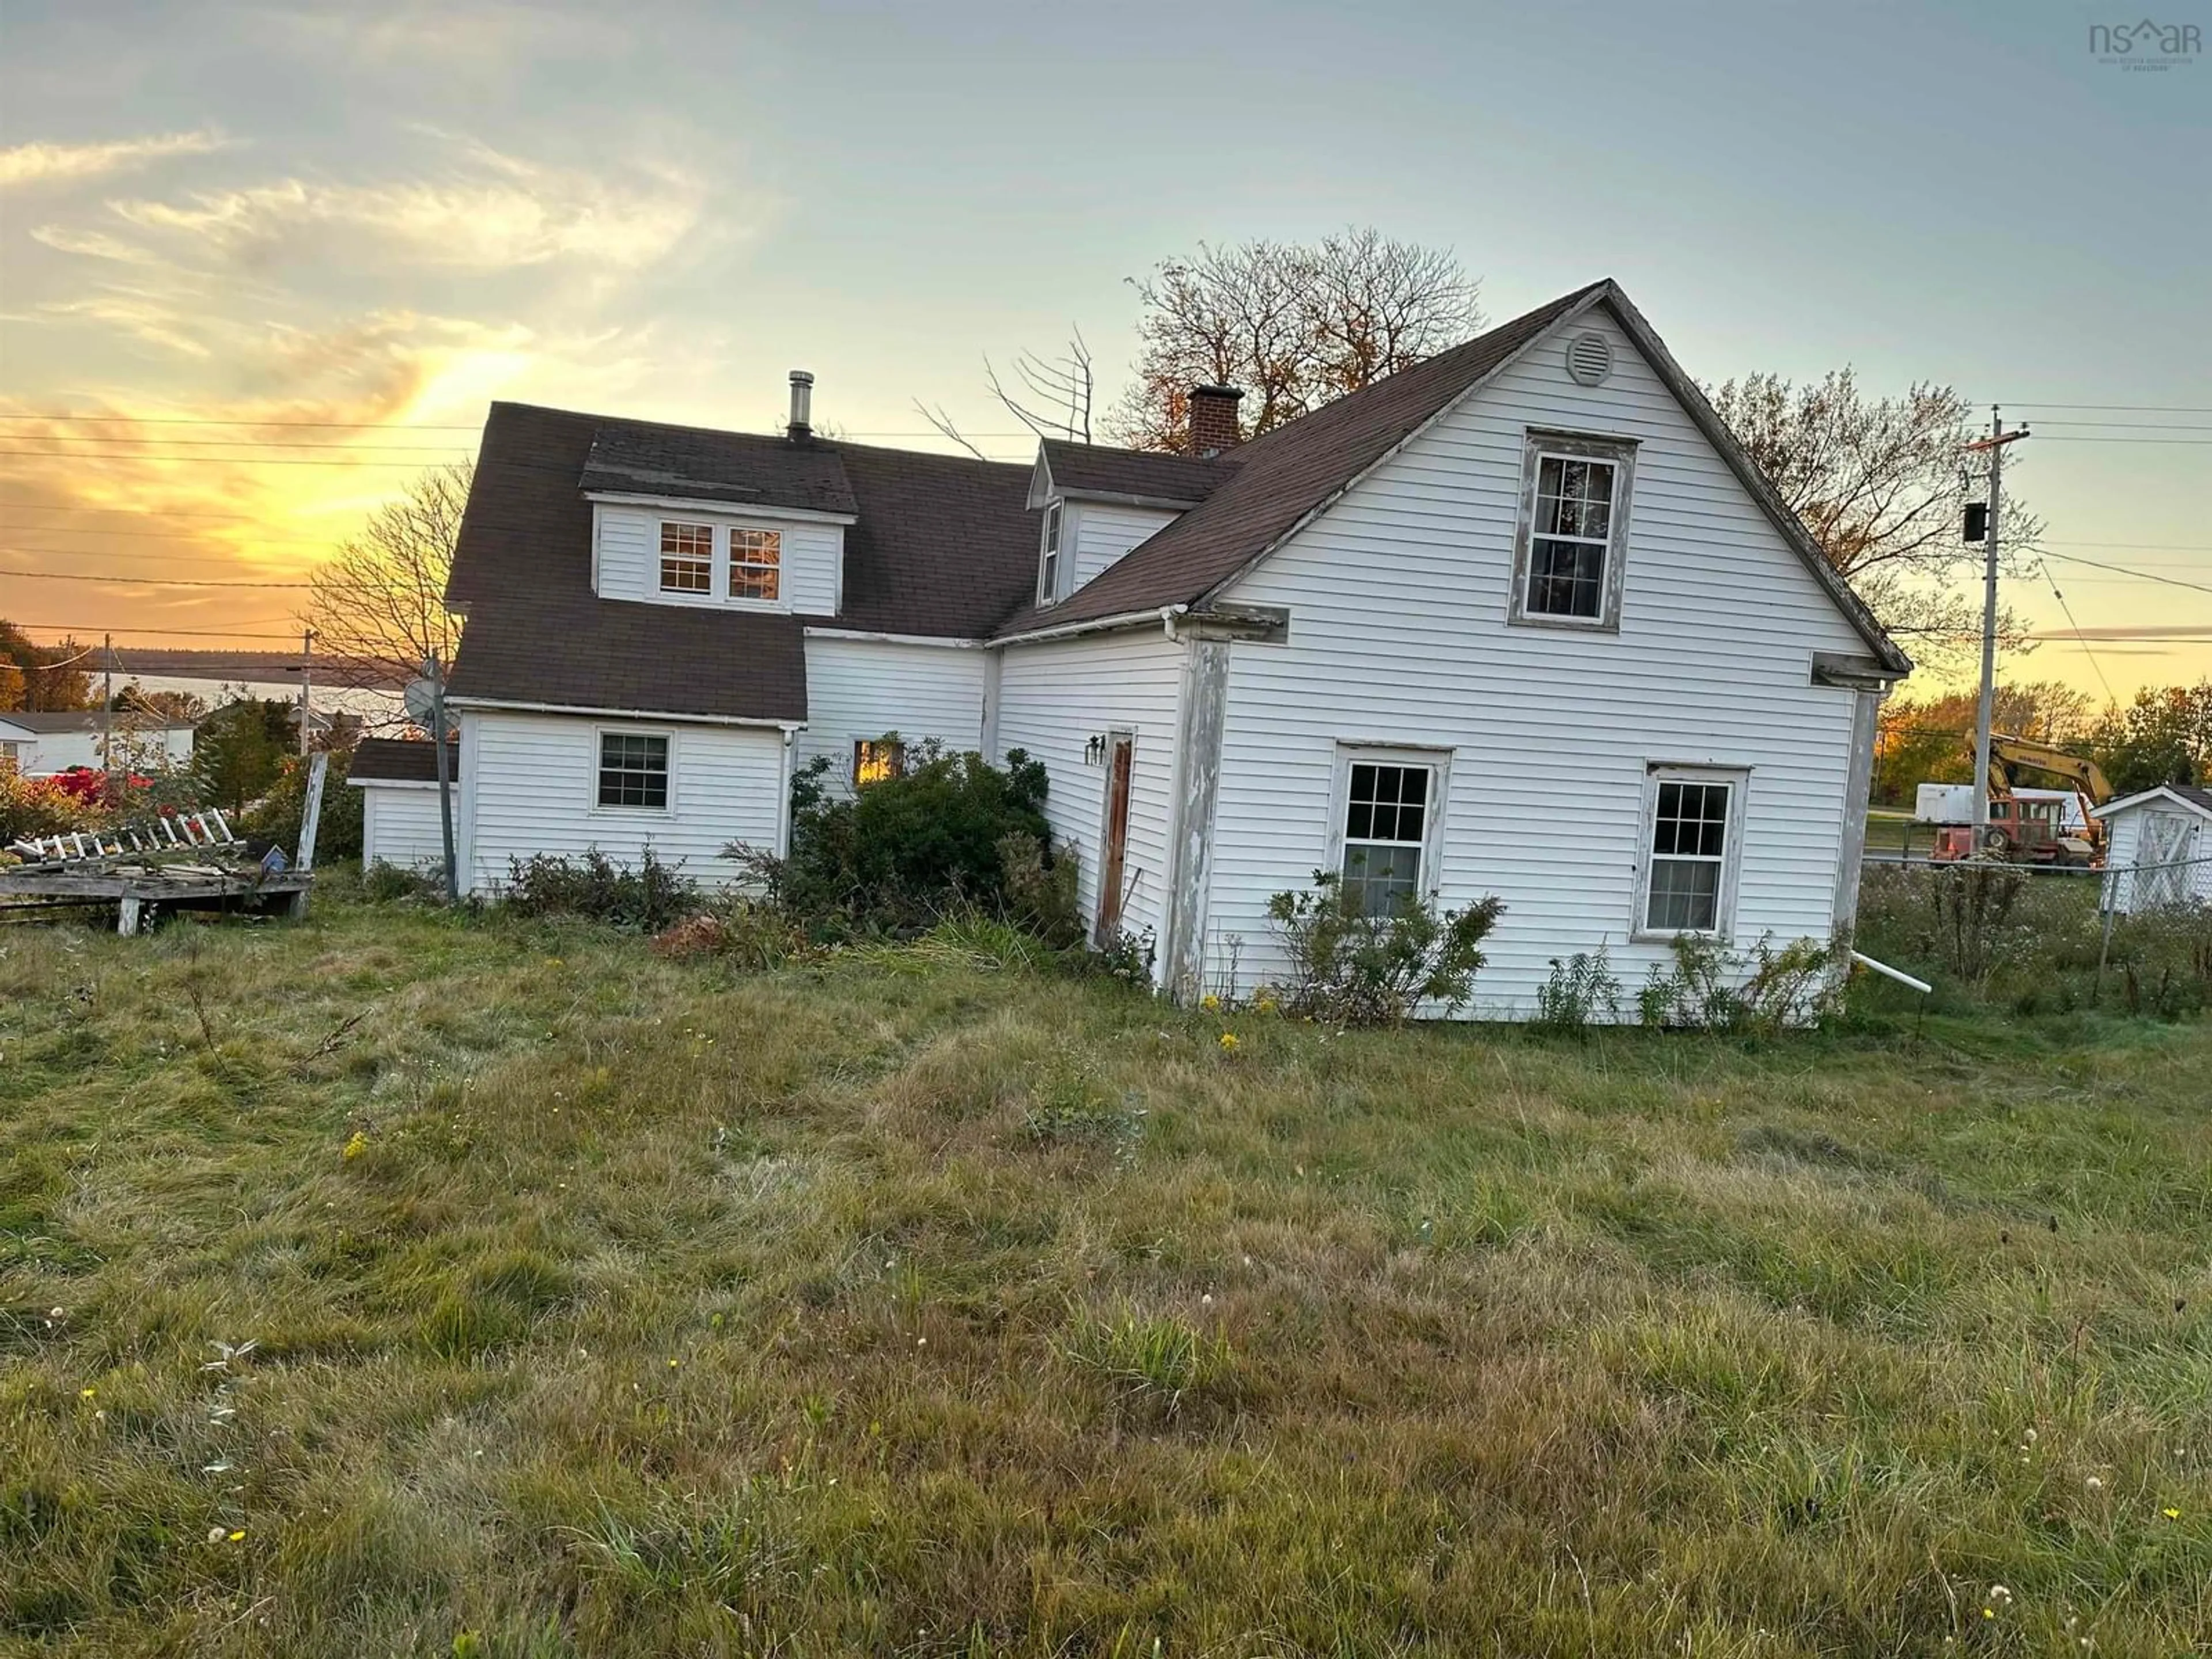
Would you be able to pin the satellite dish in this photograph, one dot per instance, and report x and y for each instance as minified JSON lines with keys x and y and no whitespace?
{"x":422,"y":705}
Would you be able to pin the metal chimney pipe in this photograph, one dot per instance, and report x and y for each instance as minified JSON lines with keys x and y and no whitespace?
{"x":802,"y":403}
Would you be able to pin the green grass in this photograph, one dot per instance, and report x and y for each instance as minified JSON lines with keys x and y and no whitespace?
{"x":907,"y":1303}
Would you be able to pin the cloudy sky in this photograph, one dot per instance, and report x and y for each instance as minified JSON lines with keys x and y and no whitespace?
{"x":260,"y":263}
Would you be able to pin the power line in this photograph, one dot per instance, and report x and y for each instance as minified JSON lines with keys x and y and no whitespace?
{"x":2155,"y":426}
{"x":2067,"y":438}
{"x":2151,"y":409}
{"x":200,"y":461}
{"x":73,"y":629}
{"x":140,"y":511}
{"x":196,"y":420}
{"x":221,"y":561}
{"x":241,"y":443}
{"x":2069,"y":610}
{"x":2150,"y":547}
{"x":2140,"y":576}
{"x":134,"y":581}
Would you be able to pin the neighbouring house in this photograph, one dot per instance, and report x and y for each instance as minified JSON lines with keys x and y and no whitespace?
{"x":43,"y":744}
{"x":400,"y":822}
{"x":370,"y":693}
{"x":1522,"y":619}
{"x":2158,"y":850}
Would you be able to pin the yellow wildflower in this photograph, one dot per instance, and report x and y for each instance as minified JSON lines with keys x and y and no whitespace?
{"x":2170,"y":1513}
{"x":1209,"y":1002}
{"x":1229,"y":1042}
{"x":356,"y":1144}
{"x":238,"y":1535}
{"x":86,"y":1394}
{"x":1265,"y":1004}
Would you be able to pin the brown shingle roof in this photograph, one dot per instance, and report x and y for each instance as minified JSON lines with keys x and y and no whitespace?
{"x":398,"y":760}
{"x":1283,"y":474}
{"x":1134,"y":474}
{"x":1282,"y":478}
{"x":944,"y":546}
{"x":941,"y":545}
{"x":536,"y":633}
{"x":645,"y":458}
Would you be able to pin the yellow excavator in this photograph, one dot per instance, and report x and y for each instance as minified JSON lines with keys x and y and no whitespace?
{"x":2033,"y":831}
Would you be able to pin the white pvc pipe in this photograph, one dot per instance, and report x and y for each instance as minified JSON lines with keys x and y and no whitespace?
{"x":1888,"y":972}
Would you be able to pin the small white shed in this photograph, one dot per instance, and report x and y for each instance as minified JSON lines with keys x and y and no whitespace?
{"x":399,"y":784}
{"x":2158,"y":853}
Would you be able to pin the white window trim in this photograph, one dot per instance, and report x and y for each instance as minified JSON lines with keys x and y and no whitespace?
{"x":1538,"y":447}
{"x":593,"y":809}
{"x":1738,"y":778}
{"x":718,"y":596}
{"x":725,"y":544}
{"x":690,"y":595}
{"x":1438,"y":761}
{"x":1053,"y":551}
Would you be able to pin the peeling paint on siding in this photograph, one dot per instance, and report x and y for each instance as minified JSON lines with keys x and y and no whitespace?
{"x":1198,"y":782}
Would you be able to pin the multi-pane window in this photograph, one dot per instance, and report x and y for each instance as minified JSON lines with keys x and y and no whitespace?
{"x":687,"y":558}
{"x":1386,"y":825}
{"x":1049,"y":570}
{"x":756,"y":563}
{"x":1689,"y":856}
{"x":1572,"y":532}
{"x":875,"y":759}
{"x":634,"y":770}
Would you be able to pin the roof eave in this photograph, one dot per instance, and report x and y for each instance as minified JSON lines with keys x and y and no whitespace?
{"x":1793,"y":530}
{"x":1579,"y":308}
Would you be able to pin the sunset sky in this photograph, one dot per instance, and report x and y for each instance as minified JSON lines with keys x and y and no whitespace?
{"x":261,"y":263}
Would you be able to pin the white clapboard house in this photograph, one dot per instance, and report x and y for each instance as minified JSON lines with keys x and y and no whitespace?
{"x":1522,"y":620}
{"x":39,"y":744}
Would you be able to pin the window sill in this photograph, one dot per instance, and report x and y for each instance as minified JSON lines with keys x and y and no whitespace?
{"x":1566,"y":624}
{"x":1668,"y":935}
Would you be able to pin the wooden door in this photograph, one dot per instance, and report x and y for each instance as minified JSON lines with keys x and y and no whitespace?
{"x":1120,"y":755}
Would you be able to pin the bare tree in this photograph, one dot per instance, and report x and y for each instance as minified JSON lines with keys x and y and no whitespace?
{"x":1294,"y":325}
{"x":1054,"y":400}
{"x":1880,"y":485}
{"x":380,"y":599}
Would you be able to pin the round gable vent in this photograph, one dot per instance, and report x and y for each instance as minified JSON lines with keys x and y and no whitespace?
{"x":1589,"y":358}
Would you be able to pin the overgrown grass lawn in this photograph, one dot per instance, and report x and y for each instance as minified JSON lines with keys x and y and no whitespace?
{"x":401,"y":1284}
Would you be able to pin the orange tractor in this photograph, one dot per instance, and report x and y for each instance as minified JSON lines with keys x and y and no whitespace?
{"x":2033,"y":831}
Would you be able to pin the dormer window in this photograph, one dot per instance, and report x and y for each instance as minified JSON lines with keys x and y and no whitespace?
{"x":756,"y":563}
{"x":1048,"y":567}
{"x":687,"y":557}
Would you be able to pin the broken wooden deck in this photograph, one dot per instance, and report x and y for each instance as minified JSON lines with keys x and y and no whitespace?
{"x":131,"y":888}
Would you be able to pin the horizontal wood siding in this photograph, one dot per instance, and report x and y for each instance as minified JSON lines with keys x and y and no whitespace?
{"x":1104,"y":533}
{"x":865,"y":687}
{"x":1052,"y":698}
{"x":533,"y":786}
{"x":626,"y":558}
{"x":400,"y":826}
{"x":1398,"y":598}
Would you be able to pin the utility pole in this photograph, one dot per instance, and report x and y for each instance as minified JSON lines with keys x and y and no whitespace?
{"x":432,"y":670}
{"x":107,"y":719}
{"x":307,"y":685}
{"x":1984,"y":710}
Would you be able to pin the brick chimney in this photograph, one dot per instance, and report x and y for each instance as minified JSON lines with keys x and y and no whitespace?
{"x":1212,"y":420}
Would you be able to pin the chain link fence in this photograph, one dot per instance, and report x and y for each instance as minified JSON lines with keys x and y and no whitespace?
{"x":2034,"y":939}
